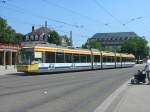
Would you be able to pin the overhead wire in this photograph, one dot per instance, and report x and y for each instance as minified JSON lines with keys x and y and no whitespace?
{"x":101,"y":6}
{"x":24,"y":11}
{"x":107,"y":11}
{"x":133,"y":19}
{"x":50,"y":26}
{"x":110,"y":14}
{"x":75,"y":12}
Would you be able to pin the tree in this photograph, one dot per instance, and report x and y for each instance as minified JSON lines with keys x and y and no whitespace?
{"x":54,"y":38}
{"x":3,"y":26}
{"x":19,"y":38}
{"x":7,"y":34}
{"x":67,"y":40}
{"x":137,"y":46}
{"x":112,"y":49}
{"x":92,"y":44}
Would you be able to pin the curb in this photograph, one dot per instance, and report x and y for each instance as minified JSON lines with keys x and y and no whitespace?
{"x":109,"y":100}
{"x":7,"y":73}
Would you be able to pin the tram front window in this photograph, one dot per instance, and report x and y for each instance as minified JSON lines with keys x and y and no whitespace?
{"x":26,"y":57}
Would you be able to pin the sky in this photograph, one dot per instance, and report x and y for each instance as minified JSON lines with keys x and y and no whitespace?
{"x":83,"y":17}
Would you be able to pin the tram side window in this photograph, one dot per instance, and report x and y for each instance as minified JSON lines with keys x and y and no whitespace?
{"x":132,"y":60}
{"x":76,"y":58}
{"x":128,"y":59}
{"x":37,"y":58}
{"x":96,"y":58}
{"x":113,"y":59}
{"x":50,"y":57}
{"x":109,"y":59}
{"x":68,"y":58}
{"x":83,"y":58}
{"x":125,"y":59}
{"x":104,"y":59}
{"x":59,"y":57}
{"x":118,"y":59}
{"x":88,"y":58}
{"x":122,"y":59}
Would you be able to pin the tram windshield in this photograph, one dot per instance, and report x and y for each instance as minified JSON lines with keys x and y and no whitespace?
{"x":26,"y":56}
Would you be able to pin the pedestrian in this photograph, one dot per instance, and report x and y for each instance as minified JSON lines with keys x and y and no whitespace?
{"x":147,"y":69}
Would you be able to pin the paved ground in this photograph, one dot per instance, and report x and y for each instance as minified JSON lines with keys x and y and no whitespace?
{"x":65,"y":92}
{"x":135,"y":99}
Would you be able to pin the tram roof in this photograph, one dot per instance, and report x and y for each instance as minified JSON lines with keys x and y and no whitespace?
{"x":107,"y":53}
{"x":54,"y":48}
{"x":62,"y":49}
{"x":127,"y":55}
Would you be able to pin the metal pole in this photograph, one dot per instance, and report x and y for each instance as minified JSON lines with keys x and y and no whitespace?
{"x":71,"y":42}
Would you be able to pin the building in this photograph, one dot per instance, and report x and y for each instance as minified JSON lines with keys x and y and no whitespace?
{"x":113,"y":40}
{"x":41,"y":36}
{"x":8,"y":54}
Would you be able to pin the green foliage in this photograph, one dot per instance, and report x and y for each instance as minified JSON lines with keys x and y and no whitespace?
{"x":7,"y":34}
{"x":54,"y":38}
{"x":67,"y":40}
{"x":92,"y":44}
{"x":112,"y":49}
{"x":19,"y":38}
{"x":137,"y":46}
{"x":3,"y":26}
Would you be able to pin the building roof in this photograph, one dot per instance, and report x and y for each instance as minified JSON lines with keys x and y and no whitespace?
{"x":114,"y":35}
{"x":39,"y":31}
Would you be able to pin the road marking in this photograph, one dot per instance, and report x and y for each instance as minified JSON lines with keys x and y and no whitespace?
{"x":111,"y":98}
{"x":45,"y":92}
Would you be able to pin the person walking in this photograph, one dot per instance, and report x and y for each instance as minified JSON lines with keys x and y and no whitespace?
{"x":147,"y":69}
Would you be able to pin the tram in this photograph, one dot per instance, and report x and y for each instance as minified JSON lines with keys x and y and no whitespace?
{"x":50,"y":58}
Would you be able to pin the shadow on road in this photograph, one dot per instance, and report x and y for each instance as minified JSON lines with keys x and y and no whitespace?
{"x":46,"y":73}
{"x":57,"y":72}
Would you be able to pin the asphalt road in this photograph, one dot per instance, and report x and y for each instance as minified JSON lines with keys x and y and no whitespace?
{"x":64,"y":92}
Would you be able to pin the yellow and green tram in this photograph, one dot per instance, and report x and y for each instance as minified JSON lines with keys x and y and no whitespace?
{"x":55,"y":58}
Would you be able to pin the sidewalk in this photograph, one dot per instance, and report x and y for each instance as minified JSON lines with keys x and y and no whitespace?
{"x":136,"y":99}
{"x":9,"y":70}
